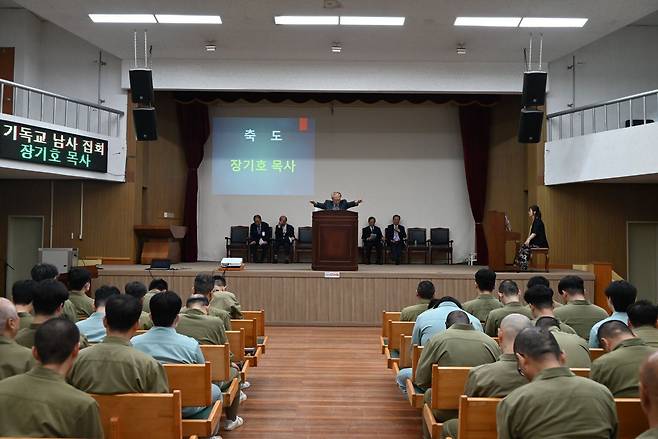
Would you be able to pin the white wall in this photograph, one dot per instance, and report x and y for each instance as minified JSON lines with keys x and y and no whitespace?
{"x":620,"y":64}
{"x":611,"y":154}
{"x":52,"y":59}
{"x":404,"y":159}
{"x":457,"y":77}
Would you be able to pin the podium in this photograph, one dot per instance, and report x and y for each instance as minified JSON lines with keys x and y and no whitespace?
{"x":335,"y":244}
{"x":160,"y":242}
{"x":497,"y":236}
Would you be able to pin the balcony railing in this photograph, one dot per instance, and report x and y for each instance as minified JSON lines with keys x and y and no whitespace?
{"x":44,"y":106}
{"x":614,"y":114}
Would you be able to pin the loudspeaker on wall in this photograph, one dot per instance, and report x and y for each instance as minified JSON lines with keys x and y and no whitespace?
{"x":144,"y":120}
{"x":530,"y":124}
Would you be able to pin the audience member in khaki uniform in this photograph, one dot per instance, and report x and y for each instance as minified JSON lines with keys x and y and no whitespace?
{"x":138,"y":291}
{"x":508,"y":294}
{"x":425,"y":294}
{"x":481,"y":306}
{"x":642,"y":316}
{"x":649,"y":395}
{"x":460,"y":345}
{"x":21,"y":294}
{"x":93,"y":327}
{"x":14,"y":358}
{"x":555,"y":403}
{"x":40,"y":403}
{"x":224,"y":299}
{"x":195,"y":322}
{"x":577,"y":312}
{"x":619,"y":368}
{"x":156,"y":286}
{"x":574,"y":348}
{"x":42,"y":272}
{"x":48,"y":302}
{"x":204,"y":284}
{"x":114,"y":366}
{"x":539,"y":299}
{"x":541,"y":280}
{"x":495,"y":380}
{"x":79,"y":286}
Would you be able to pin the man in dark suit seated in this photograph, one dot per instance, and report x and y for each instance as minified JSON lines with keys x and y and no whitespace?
{"x":259,"y":236}
{"x":395,"y":237}
{"x":371,"y":235}
{"x":336,"y":203}
{"x":284,"y":235}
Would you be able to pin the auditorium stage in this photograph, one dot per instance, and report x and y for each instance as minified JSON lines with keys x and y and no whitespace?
{"x":293,"y":294}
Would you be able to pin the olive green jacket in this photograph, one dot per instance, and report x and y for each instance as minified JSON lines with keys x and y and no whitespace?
{"x":25,"y":337}
{"x":410,"y":313}
{"x":649,"y":334}
{"x":581,"y":315}
{"x":14,"y":358}
{"x":619,"y":370}
{"x":228,"y":302}
{"x":497,"y":315}
{"x":481,"y":306}
{"x":203,"y":328}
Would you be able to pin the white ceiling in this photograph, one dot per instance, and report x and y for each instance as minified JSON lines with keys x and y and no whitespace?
{"x":248,"y":32}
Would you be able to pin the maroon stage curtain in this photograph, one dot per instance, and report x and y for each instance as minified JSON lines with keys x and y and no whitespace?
{"x":194,"y":127}
{"x":475,"y":124}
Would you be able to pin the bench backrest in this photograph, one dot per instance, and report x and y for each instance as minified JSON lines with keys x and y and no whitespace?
{"x":415,"y":358}
{"x":396,"y":330}
{"x":140,"y":415}
{"x":405,"y":352}
{"x":236,"y":342}
{"x":447,"y":386}
{"x":595,"y":353}
{"x":220,"y":362}
{"x":386,"y":316}
{"x":259,"y":316}
{"x":580,"y":371}
{"x":632,"y":421}
{"x":250,"y":331}
{"x":477,"y":417}
{"x":193,"y":381}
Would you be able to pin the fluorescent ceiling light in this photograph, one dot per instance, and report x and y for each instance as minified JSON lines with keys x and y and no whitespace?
{"x":372,"y":21}
{"x":306,"y":19}
{"x":552,"y":22}
{"x":488,"y":21}
{"x":189,"y":19}
{"x":122,"y":18}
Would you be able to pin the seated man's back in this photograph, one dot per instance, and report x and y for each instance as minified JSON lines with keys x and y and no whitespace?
{"x":433,"y":321}
{"x":196,"y":323}
{"x":424,"y":293}
{"x":578,"y":313}
{"x":223,"y":299}
{"x":114,"y":366}
{"x":575,"y":349}
{"x":642,"y":317}
{"x":14,"y":358}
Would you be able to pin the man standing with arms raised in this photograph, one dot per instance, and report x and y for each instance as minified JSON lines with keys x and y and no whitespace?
{"x":336,"y":203}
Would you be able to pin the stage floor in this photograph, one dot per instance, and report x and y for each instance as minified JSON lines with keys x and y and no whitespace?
{"x":293,"y":294}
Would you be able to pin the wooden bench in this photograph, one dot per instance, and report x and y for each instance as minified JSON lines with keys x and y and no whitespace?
{"x":140,"y":415}
{"x":447,"y":387}
{"x":580,"y":371}
{"x":386,"y":317}
{"x":259,"y":316}
{"x":141,"y":331}
{"x":406,"y":352}
{"x":220,"y":369}
{"x":194,"y":382}
{"x":595,"y":353}
{"x":477,"y":417}
{"x":415,"y":399}
{"x":236,"y":342}
{"x":396,"y":331}
{"x":252,"y":350}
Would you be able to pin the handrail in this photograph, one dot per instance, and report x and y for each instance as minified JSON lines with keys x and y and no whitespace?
{"x":601,"y":104}
{"x":62,"y":97}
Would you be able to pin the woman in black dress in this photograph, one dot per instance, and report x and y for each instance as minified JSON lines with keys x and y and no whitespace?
{"x":536,"y":238}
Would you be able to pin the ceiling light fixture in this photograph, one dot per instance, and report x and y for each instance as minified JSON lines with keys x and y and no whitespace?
{"x":188,"y":19}
{"x":488,"y":21}
{"x":210,"y":46}
{"x":122,"y":18}
{"x":306,"y":19}
{"x":461,"y":50}
{"x":552,"y":22}
{"x":371,"y":21}
{"x":336,"y":47}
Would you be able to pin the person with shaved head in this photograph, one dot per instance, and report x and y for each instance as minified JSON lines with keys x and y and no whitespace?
{"x":618,"y":369}
{"x":497,"y":379}
{"x":555,"y":403}
{"x":649,"y":395}
{"x":14,"y":358}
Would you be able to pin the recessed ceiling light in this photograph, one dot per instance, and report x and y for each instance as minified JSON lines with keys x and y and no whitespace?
{"x":488,"y":21}
{"x":461,"y":50}
{"x":336,"y":47}
{"x":552,"y":22}
{"x":372,"y":21}
{"x":306,"y":19}
{"x":210,"y":46}
{"x":122,"y":18}
{"x":189,"y":19}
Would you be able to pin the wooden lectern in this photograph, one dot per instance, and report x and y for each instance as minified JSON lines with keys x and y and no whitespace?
{"x":335,"y":244}
{"x":160,"y":242}
{"x":497,"y":235}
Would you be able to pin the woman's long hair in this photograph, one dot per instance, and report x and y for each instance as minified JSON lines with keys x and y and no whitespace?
{"x":535,"y":211}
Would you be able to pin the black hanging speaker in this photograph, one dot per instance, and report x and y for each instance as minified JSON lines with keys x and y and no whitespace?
{"x":141,"y":86}
{"x":534,"y":89}
{"x":530,"y":125}
{"x":144,"y":120}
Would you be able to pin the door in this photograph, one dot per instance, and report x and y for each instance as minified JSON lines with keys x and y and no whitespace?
{"x":7,"y":72}
{"x":24,"y":238}
{"x":643,"y":258}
